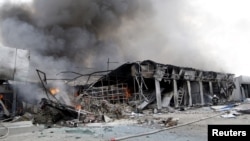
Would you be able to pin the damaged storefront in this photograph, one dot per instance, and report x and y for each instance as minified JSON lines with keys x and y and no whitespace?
{"x":147,"y":83}
{"x":130,"y":88}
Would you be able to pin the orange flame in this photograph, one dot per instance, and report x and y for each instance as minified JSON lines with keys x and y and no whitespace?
{"x":78,"y":107}
{"x":54,"y":91}
{"x":1,"y":96}
{"x":76,"y":94}
{"x":127,"y":93}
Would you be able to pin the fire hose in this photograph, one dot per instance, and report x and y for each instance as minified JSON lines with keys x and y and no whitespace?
{"x":7,"y":132}
{"x":168,"y":128}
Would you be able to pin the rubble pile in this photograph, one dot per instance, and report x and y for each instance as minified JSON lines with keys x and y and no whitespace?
{"x":52,"y":112}
{"x":133,"y":89}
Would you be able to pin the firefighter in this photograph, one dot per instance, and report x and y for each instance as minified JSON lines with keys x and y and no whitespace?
{"x":215,"y":100}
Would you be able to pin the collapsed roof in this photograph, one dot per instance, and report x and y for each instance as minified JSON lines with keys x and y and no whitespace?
{"x":168,"y":85}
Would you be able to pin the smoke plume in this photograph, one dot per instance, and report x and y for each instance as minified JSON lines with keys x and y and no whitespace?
{"x":65,"y":34}
{"x":81,"y":35}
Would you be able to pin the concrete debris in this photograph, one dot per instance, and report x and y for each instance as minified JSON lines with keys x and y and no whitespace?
{"x":247,"y":111}
{"x":114,"y":111}
{"x":224,"y":107}
{"x":136,"y":90}
{"x":230,"y":115}
{"x":234,"y":112}
{"x":243,"y":108}
{"x":170,"y":121}
{"x":72,"y":123}
{"x":25,"y":117}
{"x":107,"y":119}
{"x":167,"y":120}
{"x":133,"y":115}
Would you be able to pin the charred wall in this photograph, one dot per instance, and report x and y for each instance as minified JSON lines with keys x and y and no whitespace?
{"x":189,"y":86}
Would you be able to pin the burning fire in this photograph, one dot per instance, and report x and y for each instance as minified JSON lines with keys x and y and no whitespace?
{"x":127,"y":93}
{"x":78,"y":107}
{"x":54,"y":91}
{"x":1,"y":96}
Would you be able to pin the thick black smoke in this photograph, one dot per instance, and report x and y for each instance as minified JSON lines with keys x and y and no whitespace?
{"x":66,"y":34}
{"x":75,"y":35}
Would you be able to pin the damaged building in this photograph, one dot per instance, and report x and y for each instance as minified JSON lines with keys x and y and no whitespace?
{"x":242,"y":88}
{"x":147,"y":82}
{"x":14,"y":68}
{"x":135,"y":86}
